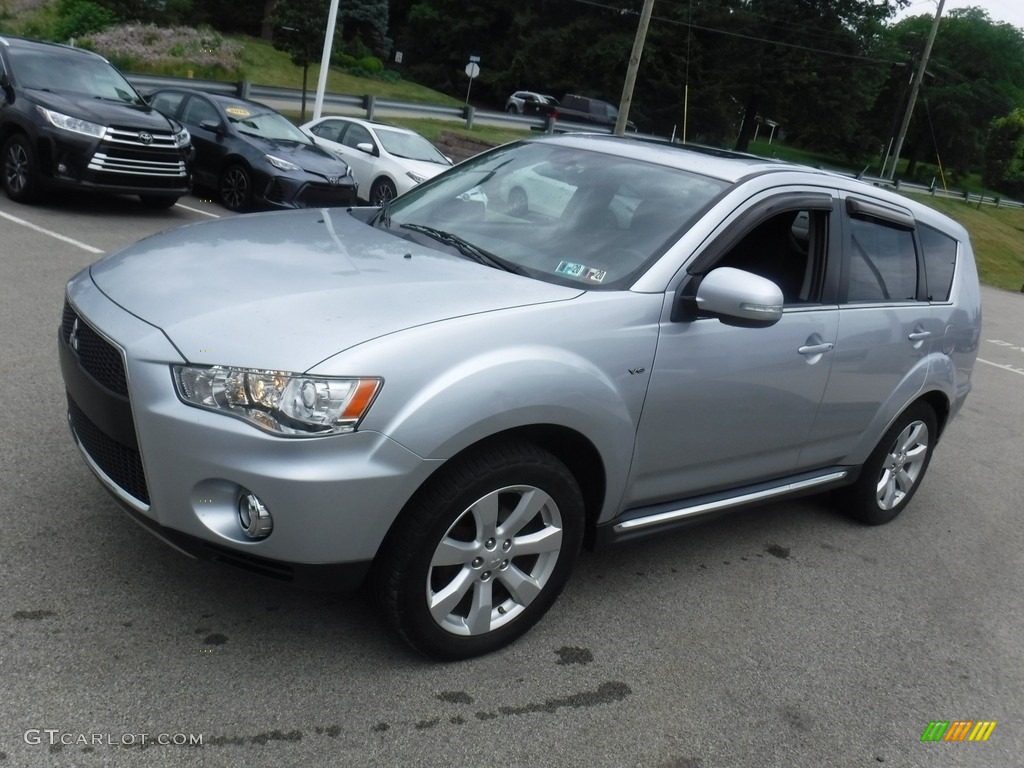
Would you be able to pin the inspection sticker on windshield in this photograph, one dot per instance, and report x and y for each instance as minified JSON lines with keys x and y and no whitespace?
{"x":581,"y":271}
{"x":237,"y":111}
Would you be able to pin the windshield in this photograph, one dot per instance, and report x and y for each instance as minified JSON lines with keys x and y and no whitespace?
{"x":267,"y":125}
{"x":59,"y":72}
{"x":560,"y":213}
{"x":410,"y":146}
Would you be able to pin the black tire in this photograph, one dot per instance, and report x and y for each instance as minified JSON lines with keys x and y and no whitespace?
{"x":158,"y":202}
{"x":503,"y":524}
{"x":894,"y":470}
{"x":511,"y":109}
{"x":382,"y":191}
{"x":518,"y":203}
{"x":236,"y":188}
{"x":20,"y":172}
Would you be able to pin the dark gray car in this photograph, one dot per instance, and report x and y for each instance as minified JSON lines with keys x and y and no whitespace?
{"x":452,"y":394}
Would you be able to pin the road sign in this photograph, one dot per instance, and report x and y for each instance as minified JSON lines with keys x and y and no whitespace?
{"x":472,"y":69}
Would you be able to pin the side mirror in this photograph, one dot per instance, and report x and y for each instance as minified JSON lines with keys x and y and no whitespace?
{"x":739,"y":298}
{"x":210,"y":125}
{"x":367,"y":147}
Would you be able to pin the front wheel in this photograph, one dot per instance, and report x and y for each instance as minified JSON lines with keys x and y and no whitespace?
{"x":482,"y":552}
{"x":382,"y":191}
{"x":20,"y":176}
{"x":894,"y":470}
{"x":236,"y":188}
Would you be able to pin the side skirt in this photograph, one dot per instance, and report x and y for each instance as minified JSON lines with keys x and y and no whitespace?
{"x":642,"y":522}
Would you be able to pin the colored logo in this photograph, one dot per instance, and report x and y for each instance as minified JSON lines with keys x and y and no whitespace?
{"x":958,"y":730}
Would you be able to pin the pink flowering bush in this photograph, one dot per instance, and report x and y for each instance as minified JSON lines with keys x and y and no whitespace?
{"x":136,"y":47}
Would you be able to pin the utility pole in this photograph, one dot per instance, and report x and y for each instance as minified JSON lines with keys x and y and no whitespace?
{"x":325,"y":59}
{"x":634,"y":65}
{"x":914,"y":88}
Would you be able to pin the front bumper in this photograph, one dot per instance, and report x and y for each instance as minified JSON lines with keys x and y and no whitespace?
{"x":306,"y":191}
{"x":117,"y":164}
{"x":181,"y":471}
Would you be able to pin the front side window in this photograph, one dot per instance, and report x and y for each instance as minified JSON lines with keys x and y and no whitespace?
{"x":881,"y":262}
{"x":787,"y":248}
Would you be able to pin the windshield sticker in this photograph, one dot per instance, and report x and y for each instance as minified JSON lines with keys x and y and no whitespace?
{"x":238,"y":111}
{"x":581,"y":271}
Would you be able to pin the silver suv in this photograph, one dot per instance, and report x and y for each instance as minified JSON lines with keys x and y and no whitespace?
{"x":567,"y":341}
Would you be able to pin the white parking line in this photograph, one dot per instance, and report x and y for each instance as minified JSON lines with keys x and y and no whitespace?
{"x":1011,"y":368}
{"x":198,"y":210}
{"x":50,"y":233}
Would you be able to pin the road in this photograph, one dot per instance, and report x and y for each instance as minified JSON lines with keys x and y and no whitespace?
{"x":780,"y":636}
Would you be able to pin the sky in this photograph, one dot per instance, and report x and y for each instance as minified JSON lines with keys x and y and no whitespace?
{"x":1010,"y":11}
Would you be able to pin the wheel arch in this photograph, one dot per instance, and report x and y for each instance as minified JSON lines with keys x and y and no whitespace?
{"x":569,"y":446}
{"x":939,"y":403}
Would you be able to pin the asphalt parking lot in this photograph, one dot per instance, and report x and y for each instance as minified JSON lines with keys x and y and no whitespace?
{"x":780,"y":636}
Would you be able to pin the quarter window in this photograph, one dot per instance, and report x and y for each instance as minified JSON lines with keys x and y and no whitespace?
{"x":939,"y":262}
{"x":881,"y":262}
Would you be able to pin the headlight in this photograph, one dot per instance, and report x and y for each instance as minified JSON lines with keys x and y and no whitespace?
{"x":182,"y":138}
{"x":284,"y":165}
{"x":416,"y":178}
{"x":73,"y":124}
{"x":289,"y":404}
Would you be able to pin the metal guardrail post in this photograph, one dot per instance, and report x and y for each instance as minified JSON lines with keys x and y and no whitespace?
{"x":549,"y":124}
{"x":369,"y":104}
{"x":469,"y":113}
{"x":242,"y":89}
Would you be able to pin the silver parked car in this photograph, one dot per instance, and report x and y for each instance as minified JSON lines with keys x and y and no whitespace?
{"x":452,"y":394}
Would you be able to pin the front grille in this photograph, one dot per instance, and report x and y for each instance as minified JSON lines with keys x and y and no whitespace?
{"x":96,"y":355}
{"x":326,"y":195}
{"x":275,"y":191}
{"x":121,"y":464}
{"x":123,"y":154}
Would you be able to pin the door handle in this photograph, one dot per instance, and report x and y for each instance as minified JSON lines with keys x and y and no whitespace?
{"x":919,"y":335}
{"x":815,"y":349}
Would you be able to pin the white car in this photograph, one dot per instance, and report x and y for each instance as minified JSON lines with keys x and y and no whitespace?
{"x":385,"y":160}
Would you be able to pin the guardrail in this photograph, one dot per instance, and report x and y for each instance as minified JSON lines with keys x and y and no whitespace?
{"x":369,"y":106}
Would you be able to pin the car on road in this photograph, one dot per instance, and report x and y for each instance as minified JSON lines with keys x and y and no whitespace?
{"x":70,"y":120}
{"x":516,"y":103}
{"x":253,"y":156}
{"x":449,"y":397}
{"x":386,"y":160}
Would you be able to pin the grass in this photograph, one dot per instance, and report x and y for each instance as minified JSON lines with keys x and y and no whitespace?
{"x":265,"y":65}
{"x":997,"y":235}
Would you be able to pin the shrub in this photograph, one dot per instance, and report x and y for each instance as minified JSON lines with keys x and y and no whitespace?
{"x":81,"y":17}
{"x":371,"y":64}
{"x":146,"y":47}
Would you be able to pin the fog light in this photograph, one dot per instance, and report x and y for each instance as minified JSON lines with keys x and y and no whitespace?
{"x":254,"y":517}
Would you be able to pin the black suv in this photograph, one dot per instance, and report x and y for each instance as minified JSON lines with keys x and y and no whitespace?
{"x":68,"y":118}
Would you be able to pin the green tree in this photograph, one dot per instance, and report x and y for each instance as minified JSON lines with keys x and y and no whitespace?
{"x":975,"y":74}
{"x":299,"y":30}
{"x":1004,"y":155}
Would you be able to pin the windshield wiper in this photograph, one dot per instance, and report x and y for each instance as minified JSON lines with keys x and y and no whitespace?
{"x":466,"y":248}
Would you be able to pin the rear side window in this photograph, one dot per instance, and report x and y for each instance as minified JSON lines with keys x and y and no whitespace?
{"x":939,"y":262}
{"x":167,"y":103}
{"x":881,"y":262}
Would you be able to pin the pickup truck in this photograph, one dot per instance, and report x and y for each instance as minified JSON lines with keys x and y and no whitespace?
{"x":577,"y":109}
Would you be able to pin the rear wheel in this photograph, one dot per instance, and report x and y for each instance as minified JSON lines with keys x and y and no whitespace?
{"x":20,"y":175}
{"x":236,"y":188}
{"x":483,"y":552}
{"x":894,"y":470}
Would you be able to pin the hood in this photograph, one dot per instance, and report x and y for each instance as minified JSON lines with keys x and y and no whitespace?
{"x":309,"y":157}
{"x":287,"y":290}
{"x":425,"y":169}
{"x":102,"y":111}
